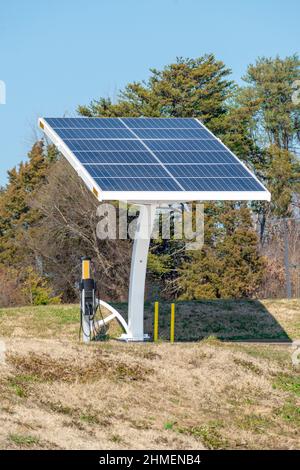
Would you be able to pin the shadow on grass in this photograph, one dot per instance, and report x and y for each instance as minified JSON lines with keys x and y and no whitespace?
{"x":227,"y":320}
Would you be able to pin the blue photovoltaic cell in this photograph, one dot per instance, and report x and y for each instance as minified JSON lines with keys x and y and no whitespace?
{"x":172,"y":134}
{"x":160,"y":123}
{"x":127,"y":171}
{"x":88,"y":123}
{"x":221,"y":184}
{"x":209,"y":171}
{"x":213,"y":157}
{"x":115,"y":157}
{"x":137,"y":184}
{"x":105,"y":145}
{"x":186,"y":145}
{"x":153,"y":154}
{"x":90,"y":134}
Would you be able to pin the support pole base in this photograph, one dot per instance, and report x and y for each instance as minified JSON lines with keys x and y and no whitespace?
{"x":130,"y":339}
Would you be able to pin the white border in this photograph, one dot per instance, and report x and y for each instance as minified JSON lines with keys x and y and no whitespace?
{"x":153,"y":196}
{"x":182,"y":196}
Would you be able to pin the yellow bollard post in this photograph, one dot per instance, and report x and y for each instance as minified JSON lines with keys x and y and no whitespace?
{"x":172,"y":328}
{"x":155,"y":334}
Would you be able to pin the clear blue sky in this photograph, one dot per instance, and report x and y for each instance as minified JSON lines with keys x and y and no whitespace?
{"x":57,"y":54}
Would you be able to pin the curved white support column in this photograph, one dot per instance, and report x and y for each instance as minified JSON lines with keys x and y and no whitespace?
{"x":134,"y":330}
{"x":138,"y":273}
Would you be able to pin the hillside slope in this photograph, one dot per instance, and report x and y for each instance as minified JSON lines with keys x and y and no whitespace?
{"x":57,"y":393}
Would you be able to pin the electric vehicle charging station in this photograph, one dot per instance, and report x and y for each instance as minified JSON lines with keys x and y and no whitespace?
{"x":87,"y":300}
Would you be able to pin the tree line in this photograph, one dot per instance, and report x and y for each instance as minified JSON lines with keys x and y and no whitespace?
{"x":48,"y":217}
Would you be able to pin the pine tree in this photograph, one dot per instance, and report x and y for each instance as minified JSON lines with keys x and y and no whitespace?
{"x":274,"y":127}
{"x":229,"y":265}
{"x":15,"y":212}
{"x":188,"y":88}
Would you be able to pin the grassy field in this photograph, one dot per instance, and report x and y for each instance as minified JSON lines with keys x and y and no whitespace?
{"x":208,"y":390}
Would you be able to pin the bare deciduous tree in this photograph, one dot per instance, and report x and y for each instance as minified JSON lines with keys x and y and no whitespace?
{"x":67,"y":231}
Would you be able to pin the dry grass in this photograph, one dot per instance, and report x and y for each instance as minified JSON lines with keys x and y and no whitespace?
{"x":58,"y":394}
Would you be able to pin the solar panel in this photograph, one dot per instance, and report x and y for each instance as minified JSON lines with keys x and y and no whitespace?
{"x":152,"y":158}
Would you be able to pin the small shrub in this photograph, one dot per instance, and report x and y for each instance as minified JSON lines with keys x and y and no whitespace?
{"x":169,"y":425}
{"x":36,"y":289}
{"x":288,"y":383}
{"x":23,"y":441}
{"x":290,"y":412}
{"x":208,"y":434}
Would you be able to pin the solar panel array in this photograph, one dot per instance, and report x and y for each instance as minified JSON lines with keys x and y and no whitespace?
{"x":153,"y":154}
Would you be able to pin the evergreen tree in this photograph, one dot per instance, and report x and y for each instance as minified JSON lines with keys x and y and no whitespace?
{"x":188,"y":88}
{"x":229,"y":265}
{"x":274,"y":127}
{"x":16,"y":214}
